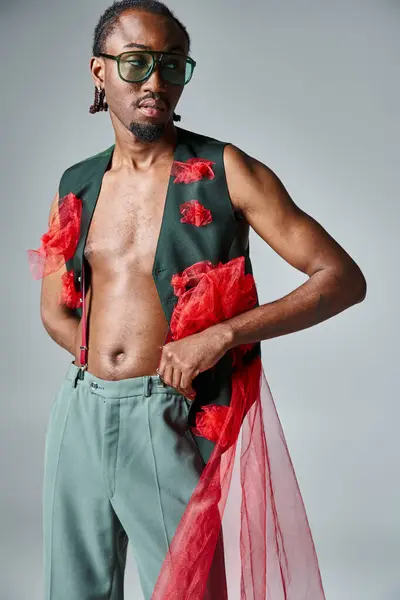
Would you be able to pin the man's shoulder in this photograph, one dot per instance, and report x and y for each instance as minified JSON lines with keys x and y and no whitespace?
{"x":203,"y":138}
{"x":88,"y":162}
{"x":79,"y":169}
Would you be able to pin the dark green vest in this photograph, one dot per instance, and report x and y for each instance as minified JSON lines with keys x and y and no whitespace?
{"x":179,"y":245}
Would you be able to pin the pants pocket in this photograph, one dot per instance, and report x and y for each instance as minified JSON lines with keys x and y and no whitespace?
{"x":188,"y":431}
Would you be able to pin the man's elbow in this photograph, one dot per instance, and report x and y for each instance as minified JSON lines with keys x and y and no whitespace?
{"x":48,"y":320}
{"x":362,"y":289}
{"x":52,"y":316}
{"x":355,"y":284}
{"x":358,"y":284}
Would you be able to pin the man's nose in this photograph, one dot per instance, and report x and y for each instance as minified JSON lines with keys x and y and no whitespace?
{"x":155,"y":81}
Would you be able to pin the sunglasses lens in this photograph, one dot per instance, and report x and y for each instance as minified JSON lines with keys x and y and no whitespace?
{"x":176,"y":69}
{"x":135,"y":66}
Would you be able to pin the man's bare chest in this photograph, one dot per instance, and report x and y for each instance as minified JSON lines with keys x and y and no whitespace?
{"x":126,"y":220}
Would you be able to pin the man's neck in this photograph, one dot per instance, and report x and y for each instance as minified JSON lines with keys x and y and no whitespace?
{"x":133,"y":154}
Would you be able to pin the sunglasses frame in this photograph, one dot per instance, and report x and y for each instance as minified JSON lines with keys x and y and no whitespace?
{"x":157,"y":56}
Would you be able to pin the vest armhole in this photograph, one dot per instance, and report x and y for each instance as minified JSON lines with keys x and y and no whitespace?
{"x":234,"y":212}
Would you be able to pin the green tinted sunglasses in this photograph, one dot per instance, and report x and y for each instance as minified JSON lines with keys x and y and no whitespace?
{"x":137,"y":66}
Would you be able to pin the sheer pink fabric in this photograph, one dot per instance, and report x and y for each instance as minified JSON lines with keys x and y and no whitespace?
{"x":277,"y":554}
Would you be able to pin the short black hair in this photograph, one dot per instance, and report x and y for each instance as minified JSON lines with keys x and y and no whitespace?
{"x":109,"y":19}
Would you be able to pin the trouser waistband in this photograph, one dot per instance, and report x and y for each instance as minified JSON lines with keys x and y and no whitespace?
{"x":143,"y":385}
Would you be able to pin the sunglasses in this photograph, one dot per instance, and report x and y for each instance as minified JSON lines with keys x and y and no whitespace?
{"x":137,"y":66}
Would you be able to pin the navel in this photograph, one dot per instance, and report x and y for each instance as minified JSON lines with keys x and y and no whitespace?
{"x":118,"y":357}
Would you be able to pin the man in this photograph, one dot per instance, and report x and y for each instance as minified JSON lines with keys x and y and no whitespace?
{"x":121,"y":461}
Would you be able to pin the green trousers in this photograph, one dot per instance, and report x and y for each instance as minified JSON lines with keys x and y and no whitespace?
{"x":120,"y":464}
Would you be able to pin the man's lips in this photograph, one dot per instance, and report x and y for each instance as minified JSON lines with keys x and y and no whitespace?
{"x":151,"y":108}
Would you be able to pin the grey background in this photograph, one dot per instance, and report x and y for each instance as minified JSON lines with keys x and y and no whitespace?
{"x":317,"y":102}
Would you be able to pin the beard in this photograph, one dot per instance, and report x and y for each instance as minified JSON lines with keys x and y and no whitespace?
{"x":147,"y":132}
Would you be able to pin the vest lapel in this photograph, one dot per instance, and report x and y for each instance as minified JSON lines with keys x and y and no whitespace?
{"x":89,"y":192}
{"x":165,"y":258}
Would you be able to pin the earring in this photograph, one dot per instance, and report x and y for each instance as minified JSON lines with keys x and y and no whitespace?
{"x":100,"y":103}
{"x":176,"y":117}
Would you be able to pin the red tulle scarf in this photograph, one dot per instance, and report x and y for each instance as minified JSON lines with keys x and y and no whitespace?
{"x":275,"y":550}
{"x":58,"y":245}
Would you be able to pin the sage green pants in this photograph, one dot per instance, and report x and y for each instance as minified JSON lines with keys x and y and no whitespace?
{"x":120,"y":464}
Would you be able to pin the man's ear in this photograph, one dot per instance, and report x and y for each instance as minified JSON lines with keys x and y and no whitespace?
{"x":96,"y":66}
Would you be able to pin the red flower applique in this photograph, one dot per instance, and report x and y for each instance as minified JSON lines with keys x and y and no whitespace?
{"x":190,"y":277}
{"x":192,"y":170}
{"x":59,"y":243}
{"x":195,"y":213}
{"x":69,"y":295}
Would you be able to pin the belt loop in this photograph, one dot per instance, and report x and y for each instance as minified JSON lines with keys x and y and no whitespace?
{"x":147,"y":385}
{"x":80,"y":375}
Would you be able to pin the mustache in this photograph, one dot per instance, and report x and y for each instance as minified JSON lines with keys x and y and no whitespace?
{"x":155,"y":97}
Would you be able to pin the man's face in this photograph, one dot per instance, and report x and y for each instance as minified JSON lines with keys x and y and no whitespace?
{"x":140,"y":30}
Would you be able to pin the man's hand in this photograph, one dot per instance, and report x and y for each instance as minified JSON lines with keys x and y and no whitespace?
{"x":181,"y":361}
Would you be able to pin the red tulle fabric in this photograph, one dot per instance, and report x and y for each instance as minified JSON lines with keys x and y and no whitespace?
{"x":274,"y":557}
{"x":193,"y":169}
{"x":195,"y":213}
{"x":70,"y":296}
{"x":58,"y":245}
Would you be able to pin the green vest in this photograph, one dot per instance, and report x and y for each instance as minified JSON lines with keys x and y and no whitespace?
{"x":179,"y":245}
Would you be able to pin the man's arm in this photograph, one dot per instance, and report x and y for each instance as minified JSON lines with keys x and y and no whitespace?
{"x":335,"y":281}
{"x":58,"y":320}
